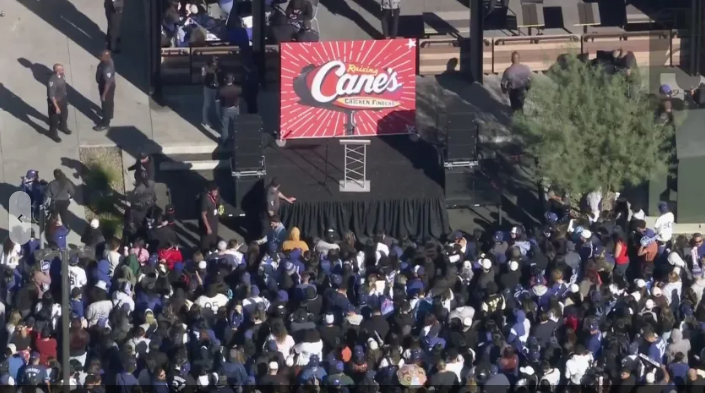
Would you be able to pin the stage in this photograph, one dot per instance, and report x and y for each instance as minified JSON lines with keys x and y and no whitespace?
{"x":406,"y":196}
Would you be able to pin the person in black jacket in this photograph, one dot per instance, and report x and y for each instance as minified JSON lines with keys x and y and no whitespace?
{"x":164,"y":234}
{"x":144,"y":163}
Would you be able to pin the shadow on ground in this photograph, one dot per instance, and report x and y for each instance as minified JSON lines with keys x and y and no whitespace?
{"x":342,"y":8}
{"x":63,"y":16}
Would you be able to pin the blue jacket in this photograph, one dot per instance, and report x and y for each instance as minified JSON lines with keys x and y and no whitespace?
{"x":126,"y":381}
{"x":59,"y":237}
{"x":594,"y":344}
{"x":236,"y":373}
{"x":78,"y":308}
{"x":16,"y":363}
{"x":657,"y":350}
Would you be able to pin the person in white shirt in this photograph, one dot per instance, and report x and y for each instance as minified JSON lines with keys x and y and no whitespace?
{"x":101,"y":308}
{"x":113,"y":255}
{"x":124,"y":296}
{"x":578,"y":364}
{"x":281,"y":339}
{"x":212,"y":300}
{"x":594,"y":200}
{"x":77,"y":275}
{"x":10,"y":254}
{"x":664,"y":223}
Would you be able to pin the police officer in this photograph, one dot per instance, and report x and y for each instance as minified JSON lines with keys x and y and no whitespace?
{"x":105,"y":77}
{"x":113,"y":13}
{"x":57,"y":103}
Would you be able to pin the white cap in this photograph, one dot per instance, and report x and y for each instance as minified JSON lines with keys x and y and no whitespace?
{"x":640,"y":283}
{"x":95,"y":223}
{"x":330,"y":318}
{"x":657,"y":292}
{"x":202,"y":265}
{"x":513,"y":265}
{"x":649,"y":304}
{"x":486,"y":264}
{"x":102,"y":285}
{"x":650,"y":378}
{"x":467,"y":321}
{"x":574,"y":288}
{"x":222,"y":245}
{"x":273,"y":366}
{"x":372,"y":343}
{"x":586,"y":234}
{"x":12,"y":348}
{"x":194,"y":9}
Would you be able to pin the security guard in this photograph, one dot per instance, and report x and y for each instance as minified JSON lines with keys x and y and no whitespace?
{"x":113,"y":12}
{"x":57,"y":103}
{"x":105,"y":77}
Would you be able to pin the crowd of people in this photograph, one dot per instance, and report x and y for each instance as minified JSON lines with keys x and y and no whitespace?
{"x":186,"y":24}
{"x":591,"y":300}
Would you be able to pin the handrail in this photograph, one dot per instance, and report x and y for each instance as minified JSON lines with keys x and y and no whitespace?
{"x":428,"y":43}
{"x":658,"y":33}
{"x":537,"y":38}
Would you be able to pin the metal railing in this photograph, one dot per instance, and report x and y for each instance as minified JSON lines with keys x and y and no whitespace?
{"x":576,"y":38}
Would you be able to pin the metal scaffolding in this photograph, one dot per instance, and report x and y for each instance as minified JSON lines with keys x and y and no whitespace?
{"x":355,"y":166}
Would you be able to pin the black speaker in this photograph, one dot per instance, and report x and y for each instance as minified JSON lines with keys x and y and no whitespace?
{"x":468,"y":186}
{"x":247,"y":144}
{"x":462,"y":133}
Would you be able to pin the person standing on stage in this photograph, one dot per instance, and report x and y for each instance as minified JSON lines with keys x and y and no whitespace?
{"x":113,"y":12}
{"x":229,"y":100}
{"x":105,"y":77}
{"x":516,"y":82}
{"x":274,"y":195}
{"x":211,"y":75}
{"x":211,"y":209}
{"x":391,"y":9}
{"x":57,"y":103}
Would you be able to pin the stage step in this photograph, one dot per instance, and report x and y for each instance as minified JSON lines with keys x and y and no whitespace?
{"x":190,"y":149}
{"x":194,"y":162}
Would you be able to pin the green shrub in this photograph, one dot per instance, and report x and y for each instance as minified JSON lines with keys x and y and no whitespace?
{"x":111,"y":225}
{"x":101,"y":177}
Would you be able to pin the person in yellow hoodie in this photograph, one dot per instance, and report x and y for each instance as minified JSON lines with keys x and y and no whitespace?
{"x":295,"y":241}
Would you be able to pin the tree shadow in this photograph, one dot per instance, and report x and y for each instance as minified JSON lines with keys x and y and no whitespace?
{"x":14,"y":105}
{"x":342,"y":8}
{"x":42,"y":74}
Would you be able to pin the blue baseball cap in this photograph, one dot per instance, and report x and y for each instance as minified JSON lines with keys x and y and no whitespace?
{"x":498,"y":236}
{"x":666,"y":89}
{"x":31,"y":175}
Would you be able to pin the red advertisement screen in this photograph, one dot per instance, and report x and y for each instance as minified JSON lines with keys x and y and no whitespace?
{"x":348,"y":88}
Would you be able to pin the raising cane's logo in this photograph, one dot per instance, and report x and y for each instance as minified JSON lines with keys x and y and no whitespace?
{"x":349,"y":87}
{"x":344,"y":88}
{"x":353,"y":86}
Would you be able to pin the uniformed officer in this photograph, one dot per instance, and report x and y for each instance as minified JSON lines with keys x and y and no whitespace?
{"x":105,"y":77}
{"x":57,"y":103}
{"x":113,"y":12}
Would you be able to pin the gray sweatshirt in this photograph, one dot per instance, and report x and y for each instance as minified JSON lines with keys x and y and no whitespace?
{"x":60,"y":190}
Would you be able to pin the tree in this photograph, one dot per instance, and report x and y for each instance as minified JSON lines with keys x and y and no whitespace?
{"x":588,"y":133}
